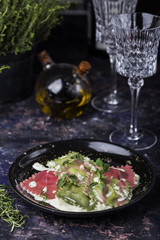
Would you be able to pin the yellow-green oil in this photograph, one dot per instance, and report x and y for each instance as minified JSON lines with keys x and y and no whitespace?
{"x":62,"y":110}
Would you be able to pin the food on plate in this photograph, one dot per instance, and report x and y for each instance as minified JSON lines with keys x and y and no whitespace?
{"x":74,"y":182}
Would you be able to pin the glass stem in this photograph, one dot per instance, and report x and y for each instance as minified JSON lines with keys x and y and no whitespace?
{"x":135,"y":87}
{"x":113,"y":100}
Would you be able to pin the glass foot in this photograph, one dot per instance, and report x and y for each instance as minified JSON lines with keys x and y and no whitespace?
{"x":109,"y":104}
{"x":146,"y":141}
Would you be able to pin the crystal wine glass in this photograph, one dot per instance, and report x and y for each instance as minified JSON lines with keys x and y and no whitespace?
{"x":137,"y":39}
{"x":104,"y":10}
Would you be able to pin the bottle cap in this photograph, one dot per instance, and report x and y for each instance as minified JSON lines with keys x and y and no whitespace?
{"x":84,"y":67}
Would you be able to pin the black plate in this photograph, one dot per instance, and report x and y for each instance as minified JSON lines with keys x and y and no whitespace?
{"x":114,"y":154}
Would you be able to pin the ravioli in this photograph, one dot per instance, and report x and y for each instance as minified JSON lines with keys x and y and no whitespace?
{"x":77,"y":180}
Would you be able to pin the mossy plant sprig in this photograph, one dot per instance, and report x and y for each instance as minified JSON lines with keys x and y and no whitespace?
{"x":24,"y":23}
{"x":8,"y":211}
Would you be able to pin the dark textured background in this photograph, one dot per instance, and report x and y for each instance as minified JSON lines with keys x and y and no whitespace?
{"x":23,"y":126}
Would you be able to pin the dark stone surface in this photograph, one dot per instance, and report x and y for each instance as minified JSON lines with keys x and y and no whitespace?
{"x":23,"y":126}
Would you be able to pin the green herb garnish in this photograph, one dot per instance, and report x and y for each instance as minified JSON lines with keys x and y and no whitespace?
{"x":93,"y":184}
{"x":99,"y":162}
{"x":43,"y":195}
{"x":72,"y":177}
{"x":102,"y":185}
{"x":4,"y":67}
{"x":61,"y":181}
{"x":105,"y":167}
{"x":65,"y":162}
{"x":64,"y":178}
{"x":8,"y":212}
{"x":102,"y":165}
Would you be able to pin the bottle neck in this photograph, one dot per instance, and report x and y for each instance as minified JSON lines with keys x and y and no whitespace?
{"x":45,"y":60}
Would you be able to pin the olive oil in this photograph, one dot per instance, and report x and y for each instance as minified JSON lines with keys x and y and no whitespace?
{"x":62,"y":90}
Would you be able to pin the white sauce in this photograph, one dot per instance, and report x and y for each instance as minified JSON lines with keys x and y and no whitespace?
{"x":101,"y":207}
{"x":122,"y":170}
{"x":51,"y":164}
{"x":137,"y":178}
{"x":39,"y":167}
{"x":123,"y":179}
{"x":45,"y":189}
{"x":57,"y":167}
{"x":81,"y":166}
{"x":109,"y":194}
{"x":93,"y":169}
{"x":80,"y":177}
{"x":62,"y":205}
{"x":32,"y":184}
{"x":96,"y":179}
{"x":121,"y":199}
{"x":87,"y":159}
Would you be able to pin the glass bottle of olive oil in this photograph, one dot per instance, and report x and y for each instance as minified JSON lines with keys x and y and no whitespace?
{"x":62,"y":90}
